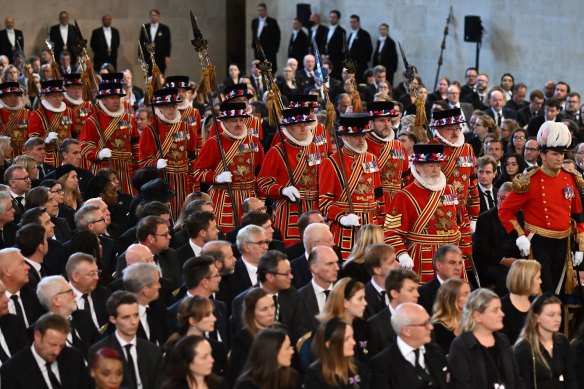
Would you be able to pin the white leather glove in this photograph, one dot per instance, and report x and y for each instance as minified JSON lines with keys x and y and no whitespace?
{"x":161,"y":164}
{"x":578,"y":257}
{"x":523,"y":244}
{"x":51,"y":137}
{"x":350,"y":220}
{"x":473,"y":226}
{"x":104,"y":153}
{"x":223,"y":178}
{"x":291,"y":192}
{"x":406,"y":261}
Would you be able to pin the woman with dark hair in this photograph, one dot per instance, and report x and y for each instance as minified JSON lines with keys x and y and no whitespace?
{"x":124,"y":199}
{"x":335,"y":366}
{"x":195,"y":317}
{"x":542,"y":352}
{"x":67,"y":177}
{"x":269,"y":363}
{"x":518,"y":138}
{"x":101,"y":186}
{"x":139,"y":178}
{"x":189,"y":365}
{"x":65,"y":212}
{"x":440,"y":92}
{"x":259,"y":312}
{"x":513,"y":164}
{"x":507,"y":84}
{"x":107,"y":369}
{"x":87,"y":242}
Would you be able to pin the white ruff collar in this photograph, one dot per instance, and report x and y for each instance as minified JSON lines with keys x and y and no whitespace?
{"x":297,"y":142}
{"x":162,"y":118}
{"x":72,"y":100}
{"x":389,"y":138}
{"x":119,"y":113}
{"x":441,"y":181}
{"x":48,"y":106}
{"x":184,"y":105}
{"x":358,"y":151}
{"x":239,"y":137}
{"x":458,"y":143}
{"x":15,"y":108}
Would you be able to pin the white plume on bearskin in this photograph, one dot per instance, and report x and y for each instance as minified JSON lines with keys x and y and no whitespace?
{"x":554,"y":134}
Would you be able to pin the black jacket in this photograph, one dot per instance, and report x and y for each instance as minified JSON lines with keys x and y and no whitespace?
{"x":375,"y":302}
{"x":98,"y":45}
{"x":428,"y":293}
{"x":360,"y":51}
{"x":382,"y":333}
{"x":14,"y":333}
{"x":387,"y":57}
{"x":60,"y":46}
{"x":308,"y":298}
{"x":6,"y":47}
{"x":269,"y":38}
{"x":300,"y":271}
{"x":162,"y":45}
{"x":313,"y":378}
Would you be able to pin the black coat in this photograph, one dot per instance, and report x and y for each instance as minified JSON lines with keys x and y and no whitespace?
{"x":428,"y":293}
{"x":360,"y":51}
{"x":184,"y":252}
{"x":101,"y":53}
{"x":62,"y":229}
{"x":375,"y":302}
{"x":484,"y":201}
{"x":55,"y":35}
{"x":162,"y":45}
{"x":14,"y":333}
{"x":382,"y":333}
{"x":168,"y":262}
{"x":313,"y":378}
{"x":99,"y":297}
{"x":220,"y":312}
{"x":23,"y":372}
{"x":308,"y":298}
{"x":335,"y":49}
{"x":158,"y":323}
{"x":269,"y":38}
{"x":319,"y":37}
{"x":239,"y":350}
{"x":300,"y":271}
{"x":390,"y":370}
{"x":6,"y":47}
{"x":387,"y":57}
{"x":9,"y":235}
{"x":32,"y":307}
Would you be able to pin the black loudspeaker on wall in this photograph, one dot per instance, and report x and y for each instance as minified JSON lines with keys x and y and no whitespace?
{"x":473,"y":29}
{"x":303,"y":13}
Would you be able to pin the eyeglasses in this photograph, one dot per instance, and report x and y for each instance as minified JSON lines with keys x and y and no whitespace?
{"x":262,"y":242}
{"x":65,"y":291}
{"x":288,"y":273}
{"x":426,"y":324}
{"x":519,"y":137}
{"x":27,"y":178}
{"x":56,"y":191}
{"x":98,"y":220}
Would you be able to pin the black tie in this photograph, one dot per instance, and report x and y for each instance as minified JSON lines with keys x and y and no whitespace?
{"x":498,"y":119}
{"x":130,"y":360}
{"x":19,"y":202}
{"x":53,"y":378}
{"x":326,"y":294}
{"x":86,"y":306}
{"x":277,"y":305}
{"x":1,"y":238}
{"x":490,"y":199}
{"x":382,"y":298}
{"x":420,"y":371}
{"x":17,"y":307}
{"x":498,"y":171}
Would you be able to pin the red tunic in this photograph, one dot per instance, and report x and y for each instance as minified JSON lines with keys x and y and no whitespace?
{"x":420,"y":221}
{"x":243,"y":157}
{"x":121,"y":137}
{"x":178,"y":143}
{"x":254,"y":128}
{"x":14,"y":125}
{"x":321,"y":137}
{"x":42,"y":121}
{"x":364,"y":185}
{"x":304,"y":164}
{"x":82,"y":111}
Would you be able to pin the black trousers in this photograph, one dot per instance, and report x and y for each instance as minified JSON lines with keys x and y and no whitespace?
{"x":551,"y":254}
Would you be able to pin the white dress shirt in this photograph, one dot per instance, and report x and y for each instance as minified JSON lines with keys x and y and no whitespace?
{"x":261,"y":25}
{"x":408,"y":353}
{"x":107,"y":32}
{"x":330,"y":33}
{"x":153,"y":30}
{"x":320,"y":295}
{"x":252,"y":271}
{"x":12,"y":308}
{"x":11,"y":37}
{"x":380,"y":289}
{"x":353,"y":37}
{"x":81,"y":304}
{"x":134,"y":354}
{"x":381,"y":43}
{"x":196,"y":249}
{"x":64,"y":32}
{"x":144,"y":319}
{"x":43,"y":366}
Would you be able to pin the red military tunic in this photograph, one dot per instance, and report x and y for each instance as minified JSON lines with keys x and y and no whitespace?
{"x":304,"y":164}
{"x":120,"y":135}
{"x":192,"y":117}
{"x":364,"y":186}
{"x":82,"y":111}
{"x":178,"y":143}
{"x":243,"y":157}
{"x":392,"y":159}
{"x":321,"y":137}
{"x":419,"y":221}
{"x":14,"y":124}
{"x":254,"y":128}
{"x":44,"y":120}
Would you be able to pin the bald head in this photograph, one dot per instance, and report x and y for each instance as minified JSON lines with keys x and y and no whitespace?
{"x":317,"y":234}
{"x":252,"y":204}
{"x":138,"y":253}
{"x":412,"y":324}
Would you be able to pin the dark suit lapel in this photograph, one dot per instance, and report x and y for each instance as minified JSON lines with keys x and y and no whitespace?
{"x":311,"y":302}
{"x":433,"y":367}
{"x":34,"y":370}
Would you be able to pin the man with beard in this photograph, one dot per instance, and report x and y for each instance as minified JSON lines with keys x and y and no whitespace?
{"x":458,"y":167}
{"x":169,"y":143}
{"x":13,"y":116}
{"x":243,"y":157}
{"x":304,"y":158}
{"x":363,"y":184}
{"x":53,"y":120}
{"x":109,"y":138}
{"x":239,"y":93}
{"x":391,"y":155}
{"x":74,"y":100}
{"x":423,"y":216}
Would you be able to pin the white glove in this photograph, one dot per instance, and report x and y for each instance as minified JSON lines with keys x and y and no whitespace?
{"x":51,"y":137}
{"x":523,"y":244}
{"x":473,"y":226}
{"x":161,"y":164}
{"x":578,"y":257}
{"x":104,"y":153}
{"x":223,"y":178}
{"x":350,"y":220}
{"x":291,"y":192}
{"x":405,"y":261}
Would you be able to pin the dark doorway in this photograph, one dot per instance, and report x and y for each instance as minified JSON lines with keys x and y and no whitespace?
{"x":236,"y":32}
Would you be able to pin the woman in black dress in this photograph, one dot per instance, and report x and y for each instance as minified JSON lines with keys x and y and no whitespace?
{"x":269,"y":363}
{"x":335,"y":367}
{"x":480,"y":357}
{"x":523,"y":282}
{"x":189,"y":365}
{"x":542,"y":353}
{"x":447,"y":311}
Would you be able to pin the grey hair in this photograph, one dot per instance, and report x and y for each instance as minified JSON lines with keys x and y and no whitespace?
{"x":48,"y":288}
{"x":4,"y":196}
{"x":75,"y":260}
{"x":312,"y":233}
{"x":477,"y":302}
{"x":4,"y":255}
{"x":401,"y":318}
{"x":84,"y":216}
{"x":138,"y":276}
{"x":244,"y":235}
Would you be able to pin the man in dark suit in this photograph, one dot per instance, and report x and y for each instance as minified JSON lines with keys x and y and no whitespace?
{"x":497,"y":109}
{"x":413,"y":361}
{"x":379,"y":261}
{"x":401,"y":286}
{"x":385,"y":53}
{"x":487,"y":170}
{"x":525,"y":114}
{"x":252,"y":244}
{"x":202,"y":228}
{"x":7,"y":226}
{"x":70,"y":150}
{"x":359,"y":46}
{"x":335,"y":44}
{"x":159,"y":34}
{"x":305,"y":75}
{"x":63,"y":36}
{"x":11,"y":328}
{"x":266,"y":29}
{"x":323,"y":263}
{"x":517,"y":100}
{"x":105,"y":42}
{"x":275,"y":276}
{"x":16,"y":179}
{"x":448,"y":263}
{"x":142,"y":359}
{"x":317,"y":33}
{"x":47,"y":363}
{"x":468,"y":92}
{"x":299,"y":44}
{"x":316,"y":234}
{"x":31,"y":239}
{"x":10,"y":39}
{"x":495,"y":250}
{"x":453,"y":100}
{"x":551,"y":112}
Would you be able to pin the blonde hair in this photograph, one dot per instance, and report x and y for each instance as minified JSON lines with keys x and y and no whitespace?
{"x":445,"y":309}
{"x":477,"y":301}
{"x":368,"y":234}
{"x":521,"y":275}
{"x":76,"y":194}
{"x":27,"y":162}
{"x":335,"y":304}
{"x":4,"y":142}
